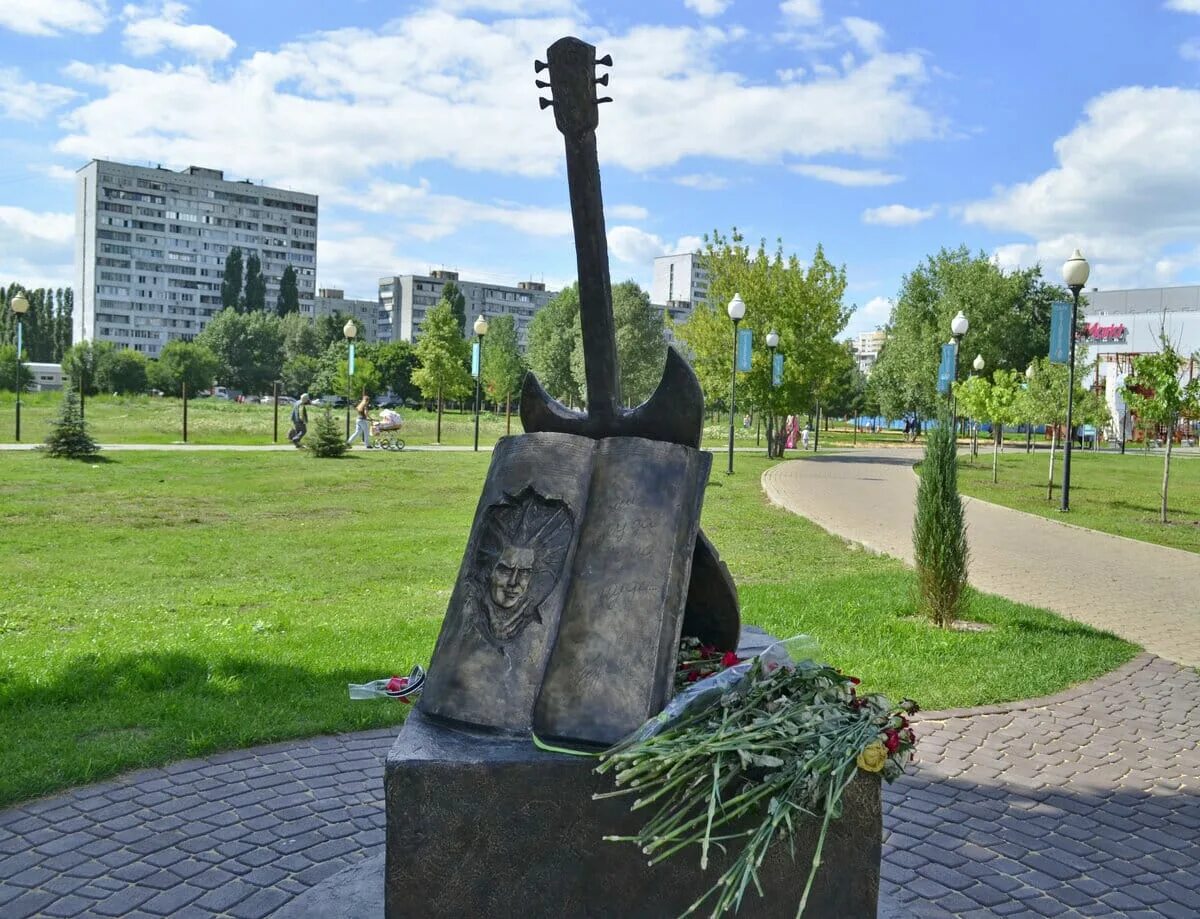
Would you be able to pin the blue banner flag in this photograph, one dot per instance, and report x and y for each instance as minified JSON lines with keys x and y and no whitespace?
{"x":18,"y":339}
{"x":777,"y":370}
{"x":946,"y":369}
{"x":743,"y":350}
{"x":475,"y":359}
{"x":1060,"y":332}
{"x":351,"y":359}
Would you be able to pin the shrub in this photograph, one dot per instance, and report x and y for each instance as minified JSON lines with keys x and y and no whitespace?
{"x":939,"y":530}
{"x":68,"y":433}
{"x":328,"y":439}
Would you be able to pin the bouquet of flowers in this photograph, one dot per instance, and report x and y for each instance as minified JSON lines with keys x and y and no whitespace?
{"x":781,"y":741}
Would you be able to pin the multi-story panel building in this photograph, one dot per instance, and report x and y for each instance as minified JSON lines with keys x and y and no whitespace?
{"x":680,"y":282}
{"x":151,"y":243}
{"x":866,"y":346}
{"x":404,"y":301}
{"x":330,"y":301}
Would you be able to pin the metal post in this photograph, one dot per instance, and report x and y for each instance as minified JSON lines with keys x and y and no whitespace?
{"x":184,"y":391}
{"x":275,"y":430}
{"x":771,"y":410}
{"x":817,"y":432}
{"x":17,"y":378}
{"x":1066,"y":480}
{"x":953,"y":398}
{"x":478,"y":378}
{"x":732,"y":396}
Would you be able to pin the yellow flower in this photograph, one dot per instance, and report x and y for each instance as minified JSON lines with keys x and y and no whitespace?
{"x":873,"y":757}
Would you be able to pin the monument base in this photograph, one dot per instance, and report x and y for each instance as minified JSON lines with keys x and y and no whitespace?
{"x":487,"y":826}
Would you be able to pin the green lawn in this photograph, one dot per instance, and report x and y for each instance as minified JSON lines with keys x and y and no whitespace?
{"x":1109,"y":492}
{"x":159,"y":606}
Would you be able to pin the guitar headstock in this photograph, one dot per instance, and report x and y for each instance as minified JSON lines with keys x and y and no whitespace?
{"x":572,"y":65}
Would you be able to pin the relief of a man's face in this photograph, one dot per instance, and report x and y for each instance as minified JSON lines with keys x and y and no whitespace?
{"x":510,"y":578}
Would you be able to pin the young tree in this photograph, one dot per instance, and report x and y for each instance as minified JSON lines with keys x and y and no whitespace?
{"x":328,"y":440}
{"x":69,"y":436}
{"x":256,"y":285}
{"x":1001,"y":409}
{"x":503,"y":367}
{"x":122,"y":371}
{"x":8,"y":369}
{"x":443,"y":354}
{"x":81,"y":363}
{"x":231,"y":281}
{"x":1156,"y":393}
{"x":182,"y":362}
{"x":939,"y":529}
{"x":289,"y":293}
{"x":453,"y":295}
{"x":971,"y":400}
{"x":551,"y":344}
{"x":1048,"y":392}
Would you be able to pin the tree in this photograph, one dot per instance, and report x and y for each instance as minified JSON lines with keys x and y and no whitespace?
{"x":396,"y":361}
{"x":971,"y":400}
{"x":69,"y":436}
{"x":300,"y":373}
{"x":289,"y":293}
{"x":329,"y":329}
{"x":256,"y":285}
{"x":81,"y":364}
{"x":249,"y":348}
{"x":231,"y":281}
{"x":550,"y":345}
{"x":803,"y":303}
{"x":453,"y":295}
{"x":1155,"y":393}
{"x":1009,"y":317}
{"x":328,"y":441}
{"x":8,"y":369}
{"x":443,"y":354}
{"x":503,"y":367}
{"x":184,"y":362}
{"x":1048,"y":393}
{"x":939,"y":529}
{"x":641,"y":345}
{"x":1000,"y":409}
{"x":122,"y":371}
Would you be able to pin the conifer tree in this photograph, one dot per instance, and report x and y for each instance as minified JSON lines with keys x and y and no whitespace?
{"x":231,"y":282}
{"x":69,"y":437}
{"x":939,"y":529}
{"x":289,"y":293}
{"x":327,"y":440}
{"x":256,"y":285}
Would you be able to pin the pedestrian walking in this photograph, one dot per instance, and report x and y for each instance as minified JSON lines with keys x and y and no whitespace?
{"x":804,"y":437}
{"x":792,"y":429}
{"x":362,"y":425}
{"x":299,"y":420}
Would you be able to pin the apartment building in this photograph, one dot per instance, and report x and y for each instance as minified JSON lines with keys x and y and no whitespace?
{"x":151,"y":243}
{"x":866,"y":347}
{"x":331,"y":301}
{"x":680,"y":283}
{"x":404,"y":301}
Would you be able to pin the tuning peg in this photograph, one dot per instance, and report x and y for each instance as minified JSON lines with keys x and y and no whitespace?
{"x":604,"y":99}
{"x":603,"y":81}
{"x":539,"y":66}
{"x":606,"y":60}
{"x":541,"y":84}
{"x":545,"y":103}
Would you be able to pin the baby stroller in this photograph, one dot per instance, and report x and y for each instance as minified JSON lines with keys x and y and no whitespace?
{"x":389,"y":421}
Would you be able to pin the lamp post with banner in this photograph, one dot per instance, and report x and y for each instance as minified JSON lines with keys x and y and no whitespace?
{"x":481,"y":327}
{"x":19,"y":306}
{"x":736,"y":310}
{"x":1075,"y":273}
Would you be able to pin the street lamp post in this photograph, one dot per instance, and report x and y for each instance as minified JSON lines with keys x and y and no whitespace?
{"x":736,"y":310}
{"x":772,"y":343}
{"x":1075,"y":273}
{"x":1030,"y":372}
{"x":481,"y":327}
{"x":978,"y":364}
{"x":958,"y":328}
{"x":350,"y":330}
{"x":19,"y":306}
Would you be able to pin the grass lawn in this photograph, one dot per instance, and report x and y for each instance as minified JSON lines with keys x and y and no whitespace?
{"x":158,"y":606}
{"x":1109,"y":492}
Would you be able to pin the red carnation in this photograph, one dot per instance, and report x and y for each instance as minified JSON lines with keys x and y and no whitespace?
{"x":729,"y":659}
{"x":396,"y":683}
{"x":891,"y":740}
{"x":853,"y":679}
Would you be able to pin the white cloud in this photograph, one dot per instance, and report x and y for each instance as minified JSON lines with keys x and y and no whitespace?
{"x":687,"y":244}
{"x":841,"y":176}
{"x":707,"y":8}
{"x":507,"y":7}
{"x":28,"y":101}
{"x":53,"y":17}
{"x":702,"y":181}
{"x":1184,"y":6}
{"x":866,"y":34}
{"x":805,"y":12}
{"x":627,"y":211}
{"x":897,"y":215}
{"x":54,"y":171}
{"x":150,"y":31}
{"x":36,"y":247}
{"x":877,"y":310}
{"x":1124,"y":189}
{"x":629,"y":244}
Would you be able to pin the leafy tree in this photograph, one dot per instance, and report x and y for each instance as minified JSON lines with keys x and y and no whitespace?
{"x":231,"y":281}
{"x":802,"y":303}
{"x":366,"y":378}
{"x":396,"y":361}
{"x":328,"y":440}
{"x":1155,"y":392}
{"x":1001,"y":409}
{"x":641,"y":345}
{"x":453,"y":295}
{"x":1048,"y":395}
{"x":300,"y":373}
{"x":249,"y":348}
{"x":81,"y":363}
{"x":329,"y":329}
{"x":8,"y":369}
{"x":503,"y":367}
{"x":69,"y":438}
{"x":256,"y":285}
{"x":300,"y":337}
{"x":939,"y":529}
{"x":289,"y":293}
{"x":1009,"y":317}
{"x":182,"y":362}
{"x":971,"y":399}
{"x":443,"y":354}
{"x":551,"y":344}
{"x":122,"y":371}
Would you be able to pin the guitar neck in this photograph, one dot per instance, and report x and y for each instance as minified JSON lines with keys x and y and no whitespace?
{"x":595,"y":288}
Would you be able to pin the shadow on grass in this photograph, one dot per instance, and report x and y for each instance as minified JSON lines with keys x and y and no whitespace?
{"x":95,"y":459}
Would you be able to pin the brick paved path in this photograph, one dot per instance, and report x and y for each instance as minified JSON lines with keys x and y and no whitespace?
{"x":1145,"y":593}
{"x":1085,"y":804}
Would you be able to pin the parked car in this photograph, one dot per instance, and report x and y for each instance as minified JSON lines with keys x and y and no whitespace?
{"x":389,"y":402}
{"x":334,"y":401}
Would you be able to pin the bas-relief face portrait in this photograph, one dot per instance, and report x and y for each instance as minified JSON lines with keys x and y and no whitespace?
{"x":522,"y":548}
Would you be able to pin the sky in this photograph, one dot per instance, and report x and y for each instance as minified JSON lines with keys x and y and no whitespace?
{"x":881,"y":131}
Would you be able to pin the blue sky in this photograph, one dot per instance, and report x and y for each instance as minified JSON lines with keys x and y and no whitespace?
{"x":881,"y":130}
